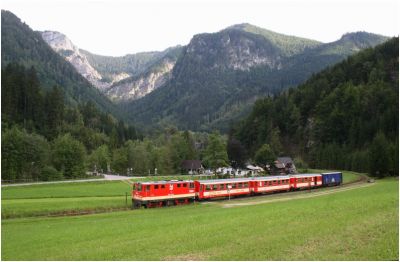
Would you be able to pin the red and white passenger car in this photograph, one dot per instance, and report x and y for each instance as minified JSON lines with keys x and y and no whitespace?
{"x":305,"y":181}
{"x":207,"y":189}
{"x":262,"y":185}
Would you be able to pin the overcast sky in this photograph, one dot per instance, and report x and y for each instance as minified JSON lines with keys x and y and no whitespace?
{"x":119,"y":27}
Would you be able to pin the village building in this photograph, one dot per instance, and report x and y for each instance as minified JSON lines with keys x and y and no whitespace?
{"x":192,"y":166}
{"x":290,"y":168}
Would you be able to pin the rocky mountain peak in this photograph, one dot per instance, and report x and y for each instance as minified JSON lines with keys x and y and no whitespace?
{"x":58,"y":41}
{"x":64,"y":46}
{"x":232,"y":49}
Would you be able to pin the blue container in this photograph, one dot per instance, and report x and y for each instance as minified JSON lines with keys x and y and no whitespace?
{"x":332,"y":179}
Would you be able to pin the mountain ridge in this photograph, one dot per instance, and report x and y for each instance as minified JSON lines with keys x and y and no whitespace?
{"x":219,"y":76}
{"x":122,"y":78}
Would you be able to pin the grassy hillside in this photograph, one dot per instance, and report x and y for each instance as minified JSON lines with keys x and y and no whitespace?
{"x":358,"y":224}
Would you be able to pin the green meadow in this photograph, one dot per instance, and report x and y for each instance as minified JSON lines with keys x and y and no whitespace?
{"x":83,"y":197}
{"x":357,"y":224}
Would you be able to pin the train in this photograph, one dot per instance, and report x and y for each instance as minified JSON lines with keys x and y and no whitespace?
{"x":179,"y":192}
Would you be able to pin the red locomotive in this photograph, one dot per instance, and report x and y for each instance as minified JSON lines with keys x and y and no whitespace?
{"x":162,"y":193}
{"x":174,"y":192}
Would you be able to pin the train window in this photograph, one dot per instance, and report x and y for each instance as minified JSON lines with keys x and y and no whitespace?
{"x":184,"y":185}
{"x":155,"y":186}
{"x":208,"y":187}
{"x":215,"y":187}
{"x":133,"y":186}
{"x":201,"y":188}
{"x":162,"y":186}
{"x":221,"y":187}
{"x":191,"y":185}
{"x":234,"y":185}
{"x":274,"y":182}
{"x":139,"y":188}
{"x":148,"y":188}
{"x":178,"y":185}
{"x":240,"y":185}
{"x":246,"y":184}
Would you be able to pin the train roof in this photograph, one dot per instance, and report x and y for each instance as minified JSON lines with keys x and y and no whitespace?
{"x":227,"y":180}
{"x":232,"y":180}
{"x":263,"y":178}
{"x":165,"y":182}
{"x":248,"y":179}
{"x":329,"y":173}
{"x":304,"y":175}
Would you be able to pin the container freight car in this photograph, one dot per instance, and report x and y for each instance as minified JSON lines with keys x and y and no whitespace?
{"x":332,"y":179}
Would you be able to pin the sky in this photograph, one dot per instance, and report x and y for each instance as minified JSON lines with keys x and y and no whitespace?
{"x":119,"y":27}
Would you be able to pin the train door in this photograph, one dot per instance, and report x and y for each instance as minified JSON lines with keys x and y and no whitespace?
{"x":315,"y":180}
{"x":171,"y":189}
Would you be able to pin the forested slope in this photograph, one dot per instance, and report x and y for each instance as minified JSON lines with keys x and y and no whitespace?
{"x":345,"y":117}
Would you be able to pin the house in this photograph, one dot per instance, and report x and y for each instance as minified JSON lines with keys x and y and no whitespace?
{"x":290,"y":168}
{"x":254,"y":170}
{"x":232,"y":172}
{"x":278,"y":168}
{"x":192,"y":166}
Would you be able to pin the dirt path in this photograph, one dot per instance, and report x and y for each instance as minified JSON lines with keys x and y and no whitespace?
{"x":292,"y":196}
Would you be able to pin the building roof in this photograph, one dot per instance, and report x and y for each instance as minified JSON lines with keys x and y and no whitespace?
{"x":279,"y":164}
{"x":251,"y":167}
{"x":191,"y":164}
{"x":285,"y":160}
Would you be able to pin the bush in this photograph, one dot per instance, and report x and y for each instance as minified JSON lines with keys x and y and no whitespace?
{"x":49,"y":173}
{"x":299,"y":163}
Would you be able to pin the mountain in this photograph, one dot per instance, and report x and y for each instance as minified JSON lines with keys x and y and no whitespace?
{"x":141,"y":73}
{"x":147,"y":79}
{"x":218,"y":76}
{"x":338,"y":118}
{"x":20,"y":44}
{"x":63,"y":46}
{"x":142,"y":84}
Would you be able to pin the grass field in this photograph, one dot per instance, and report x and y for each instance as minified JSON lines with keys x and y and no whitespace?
{"x":358,"y":224}
{"x":64,"y":198}
{"x":62,"y":190}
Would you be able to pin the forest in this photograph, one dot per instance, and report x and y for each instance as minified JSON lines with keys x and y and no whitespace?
{"x":43,"y":138}
{"x":345,"y":117}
